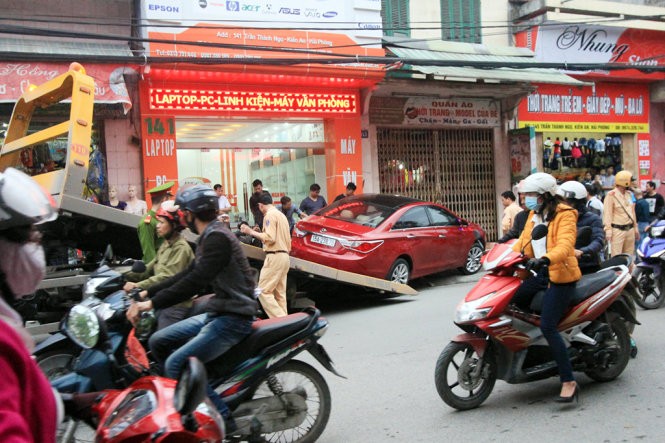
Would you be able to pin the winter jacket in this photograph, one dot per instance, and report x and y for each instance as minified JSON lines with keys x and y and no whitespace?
{"x":591,"y":252}
{"x":172,"y":257}
{"x":561,"y":236}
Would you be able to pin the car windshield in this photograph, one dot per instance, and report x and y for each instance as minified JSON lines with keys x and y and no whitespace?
{"x":359,"y":212}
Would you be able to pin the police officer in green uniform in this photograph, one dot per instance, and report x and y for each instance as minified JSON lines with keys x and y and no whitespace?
{"x":147,"y":228}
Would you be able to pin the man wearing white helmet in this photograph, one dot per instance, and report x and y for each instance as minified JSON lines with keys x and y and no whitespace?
{"x":588,"y":255}
{"x":619,"y":218}
{"x":27,"y":403}
{"x":553,"y":260}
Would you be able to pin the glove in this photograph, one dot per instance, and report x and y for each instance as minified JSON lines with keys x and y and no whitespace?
{"x":535,"y":264}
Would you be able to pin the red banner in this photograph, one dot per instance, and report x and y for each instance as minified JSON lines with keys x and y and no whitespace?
{"x":15,"y":77}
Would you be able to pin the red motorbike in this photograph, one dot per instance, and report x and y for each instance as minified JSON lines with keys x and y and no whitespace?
{"x":152,"y":409}
{"x":502,"y":341}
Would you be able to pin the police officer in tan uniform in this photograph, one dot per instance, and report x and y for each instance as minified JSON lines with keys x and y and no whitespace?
{"x":276,"y":238}
{"x":619,"y":218}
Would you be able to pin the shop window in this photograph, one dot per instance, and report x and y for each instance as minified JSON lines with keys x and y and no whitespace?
{"x":395,"y":17}
{"x":460,"y":21}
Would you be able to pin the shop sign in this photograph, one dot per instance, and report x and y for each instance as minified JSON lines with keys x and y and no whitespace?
{"x":16,"y":77}
{"x":284,"y":30}
{"x":580,"y":43}
{"x":451,"y":112}
{"x":160,"y":163}
{"x":252,"y":101}
{"x":644,"y":159}
{"x":605,"y":107}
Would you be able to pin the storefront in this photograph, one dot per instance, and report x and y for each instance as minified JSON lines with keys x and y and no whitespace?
{"x":289,"y":124}
{"x":590,"y":128}
{"x":611,"y":117}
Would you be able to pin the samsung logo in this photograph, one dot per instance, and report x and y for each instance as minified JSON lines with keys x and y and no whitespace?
{"x":163,"y":8}
{"x":330,"y":14}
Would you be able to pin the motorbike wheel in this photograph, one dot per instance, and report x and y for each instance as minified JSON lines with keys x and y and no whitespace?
{"x":612,"y":369}
{"x":299,"y":377}
{"x":454,"y":378}
{"x":57,"y":362}
{"x":651,"y":292}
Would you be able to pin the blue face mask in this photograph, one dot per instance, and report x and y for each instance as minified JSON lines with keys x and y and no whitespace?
{"x":532,"y":203}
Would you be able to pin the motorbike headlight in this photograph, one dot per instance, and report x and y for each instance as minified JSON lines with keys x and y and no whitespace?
{"x":468,"y":311}
{"x":90,"y":287}
{"x":133,"y":408}
{"x":657,"y":231}
{"x":81,"y":325}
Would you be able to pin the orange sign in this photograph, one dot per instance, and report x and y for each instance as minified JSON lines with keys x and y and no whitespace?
{"x":160,"y":163}
{"x":252,"y":101}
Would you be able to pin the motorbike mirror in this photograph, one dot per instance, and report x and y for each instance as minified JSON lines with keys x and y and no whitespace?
{"x":539,"y":232}
{"x":82,"y":326}
{"x":191,"y":388}
{"x":583,"y":237}
{"x":108,"y":255}
{"x":138,"y":266}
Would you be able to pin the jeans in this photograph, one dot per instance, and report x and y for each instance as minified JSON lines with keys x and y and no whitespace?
{"x":202,"y":336}
{"x":529,"y":288}
{"x":555,"y":303}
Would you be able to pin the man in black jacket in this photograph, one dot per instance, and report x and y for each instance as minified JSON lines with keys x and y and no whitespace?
{"x":220,"y":263}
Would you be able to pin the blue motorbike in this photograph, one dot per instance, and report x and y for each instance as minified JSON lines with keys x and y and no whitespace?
{"x":649,"y":270}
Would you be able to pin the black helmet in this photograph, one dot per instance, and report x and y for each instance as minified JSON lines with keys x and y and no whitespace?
{"x":197,"y":198}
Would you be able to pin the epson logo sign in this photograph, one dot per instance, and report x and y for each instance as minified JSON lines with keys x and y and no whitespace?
{"x":163,"y":8}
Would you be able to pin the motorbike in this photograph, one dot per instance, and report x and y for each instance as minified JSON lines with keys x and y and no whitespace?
{"x":272,"y":396}
{"x":649,"y":270}
{"x":502,"y":341}
{"x":152,"y":409}
{"x":56,"y":354}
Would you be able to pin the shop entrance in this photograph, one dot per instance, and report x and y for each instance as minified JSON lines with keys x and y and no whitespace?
{"x":451,"y":166}
{"x":286,"y":156}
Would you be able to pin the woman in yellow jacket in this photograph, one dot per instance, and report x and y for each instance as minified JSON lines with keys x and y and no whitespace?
{"x":553,"y":258}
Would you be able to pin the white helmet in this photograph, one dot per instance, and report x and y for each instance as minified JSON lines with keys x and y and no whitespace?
{"x":22,"y":201}
{"x":572,"y":189}
{"x":539,"y":182}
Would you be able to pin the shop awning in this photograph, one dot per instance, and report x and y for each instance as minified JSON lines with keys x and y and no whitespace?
{"x":15,"y":77}
{"x":474,"y":54}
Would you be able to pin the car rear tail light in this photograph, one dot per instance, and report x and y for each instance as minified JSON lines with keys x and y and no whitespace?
{"x":361,"y":246}
{"x":298,"y":233}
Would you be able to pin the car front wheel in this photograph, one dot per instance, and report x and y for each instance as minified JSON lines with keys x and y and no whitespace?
{"x":473,"y":259}
{"x":399,"y":272}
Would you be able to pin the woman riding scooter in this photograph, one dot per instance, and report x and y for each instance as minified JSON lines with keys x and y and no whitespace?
{"x":173,"y":256}
{"x":553,"y":260}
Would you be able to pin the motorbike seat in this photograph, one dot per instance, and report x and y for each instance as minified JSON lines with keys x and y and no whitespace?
{"x":264,"y":333}
{"x":585,"y":288}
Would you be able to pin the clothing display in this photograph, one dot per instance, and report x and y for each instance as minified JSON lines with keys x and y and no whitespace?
{"x":585,"y":151}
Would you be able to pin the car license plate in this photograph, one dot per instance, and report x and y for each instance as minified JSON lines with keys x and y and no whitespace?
{"x":327,"y":241}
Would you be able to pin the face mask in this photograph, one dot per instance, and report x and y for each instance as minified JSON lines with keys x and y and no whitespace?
{"x":532,"y":203}
{"x":24,"y":266}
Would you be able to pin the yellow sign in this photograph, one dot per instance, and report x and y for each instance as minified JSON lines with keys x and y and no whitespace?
{"x":628,"y":128}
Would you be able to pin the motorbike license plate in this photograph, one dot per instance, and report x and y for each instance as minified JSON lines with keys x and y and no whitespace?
{"x":326,"y":241}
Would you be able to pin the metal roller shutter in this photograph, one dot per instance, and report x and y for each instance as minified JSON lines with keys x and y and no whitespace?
{"x":454,"y":167}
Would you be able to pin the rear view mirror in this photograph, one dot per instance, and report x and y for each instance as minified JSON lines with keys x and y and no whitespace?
{"x":191,"y":388}
{"x":539,"y":231}
{"x":583,"y":237}
{"x":138,"y":267}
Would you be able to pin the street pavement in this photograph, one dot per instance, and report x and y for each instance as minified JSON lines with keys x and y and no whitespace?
{"x":388,"y":347}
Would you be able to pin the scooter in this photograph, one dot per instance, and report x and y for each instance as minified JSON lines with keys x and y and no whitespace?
{"x":56,"y":355}
{"x":154,"y":409}
{"x":502,"y":341}
{"x":271,"y":394}
{"x":649,"y":270}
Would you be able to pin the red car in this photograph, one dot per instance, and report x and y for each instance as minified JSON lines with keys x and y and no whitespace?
{"x":389,"y":236}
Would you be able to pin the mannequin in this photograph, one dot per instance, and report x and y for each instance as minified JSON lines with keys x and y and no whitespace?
{"x":113,"y":199}
{"x":134,"y":205}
